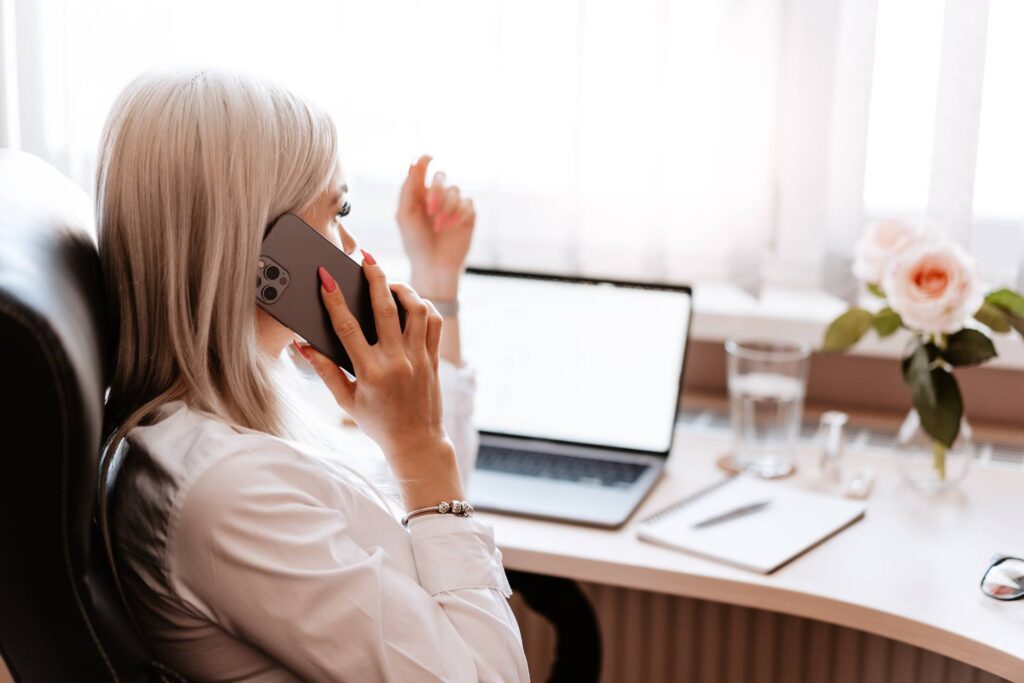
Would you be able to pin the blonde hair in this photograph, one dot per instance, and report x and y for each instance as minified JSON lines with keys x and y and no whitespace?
{"x":193,"y":167}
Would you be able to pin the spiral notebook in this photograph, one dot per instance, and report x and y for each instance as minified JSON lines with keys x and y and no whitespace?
{"x":793,"y":522}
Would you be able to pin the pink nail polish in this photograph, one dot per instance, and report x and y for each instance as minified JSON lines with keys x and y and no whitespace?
{"x":368,"y":258}
{"x":326,"y":280}
{"x":302,"y":351}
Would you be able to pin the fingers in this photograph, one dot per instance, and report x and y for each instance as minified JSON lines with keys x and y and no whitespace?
{"x":333,"y":377}
{"x":385,"y":312}
{"x":416,"y":314}
{"x":435,"y":193}
{"x":415,"y":181}
{"x":449,"y":207}
{"x":452,"y":200}
{"x":444,"y":205}
{"x":464,"y":216}
{"x":420,"y":168}
{"x":435,"y":324}
{"x":345,"y":324}
{"x":467,"y":213}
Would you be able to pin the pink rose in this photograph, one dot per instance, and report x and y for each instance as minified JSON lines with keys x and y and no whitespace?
{"x":933,"y":287}
{"x":880,"y":243}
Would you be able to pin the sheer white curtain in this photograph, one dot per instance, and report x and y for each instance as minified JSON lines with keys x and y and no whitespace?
{"x":685,"y":140}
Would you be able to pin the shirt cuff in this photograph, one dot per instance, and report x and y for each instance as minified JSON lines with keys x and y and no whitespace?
{"x":456,"y":552}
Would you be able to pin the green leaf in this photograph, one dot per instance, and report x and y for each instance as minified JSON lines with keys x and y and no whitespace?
{"x":875,"y":289}
{"x":1017,"y":323}
{"x":917,"y":375}
{"x":886,"y":322}
{"x":1008,"y":300}
{"x":994,"y":317}
{"x":941,"y":419}
{"x":967,"y":347}
{"x":847,"y":329}
{"x":935,"y":395}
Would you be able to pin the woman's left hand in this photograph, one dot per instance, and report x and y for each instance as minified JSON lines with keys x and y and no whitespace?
{"x":436,"y":223}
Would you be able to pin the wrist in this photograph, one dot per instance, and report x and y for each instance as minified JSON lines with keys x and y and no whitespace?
{"x":428,"y":474}
{"x":422,"y":493}
{"x":431,"y":284}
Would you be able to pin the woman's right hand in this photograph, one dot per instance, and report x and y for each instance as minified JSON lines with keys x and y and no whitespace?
{"x":396,"y":396}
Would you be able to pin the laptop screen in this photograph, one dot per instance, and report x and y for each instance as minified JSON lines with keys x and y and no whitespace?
{"x":592,"y":363}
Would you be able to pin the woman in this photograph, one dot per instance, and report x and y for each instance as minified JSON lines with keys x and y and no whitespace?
{"x":245,"y":550}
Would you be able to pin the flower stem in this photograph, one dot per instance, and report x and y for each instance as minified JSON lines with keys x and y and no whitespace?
{"x":939,"y":459}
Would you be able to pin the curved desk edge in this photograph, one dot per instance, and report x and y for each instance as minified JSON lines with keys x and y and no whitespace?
{"x":786,"y":601}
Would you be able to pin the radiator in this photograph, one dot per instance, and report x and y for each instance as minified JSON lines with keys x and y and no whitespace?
{"x":652,"y":638}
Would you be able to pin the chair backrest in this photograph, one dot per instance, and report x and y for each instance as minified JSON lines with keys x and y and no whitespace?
{"x":61,"y":618}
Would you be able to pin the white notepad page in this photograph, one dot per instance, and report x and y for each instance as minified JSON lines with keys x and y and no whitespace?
{"x":763,"y":541}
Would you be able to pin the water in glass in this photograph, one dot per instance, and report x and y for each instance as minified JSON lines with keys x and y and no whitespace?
{"x":767,"y":383}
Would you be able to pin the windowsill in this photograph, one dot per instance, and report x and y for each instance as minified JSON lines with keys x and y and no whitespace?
{"x":781,"y":313}
{"x":722,"y":311}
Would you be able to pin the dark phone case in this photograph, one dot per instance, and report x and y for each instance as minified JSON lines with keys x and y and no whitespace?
{"x":300,"y":250}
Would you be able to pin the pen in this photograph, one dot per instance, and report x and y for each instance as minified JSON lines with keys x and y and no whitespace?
{"x":733,"y":514}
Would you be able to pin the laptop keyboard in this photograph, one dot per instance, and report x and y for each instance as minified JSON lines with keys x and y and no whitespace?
{"x":562,"y":467}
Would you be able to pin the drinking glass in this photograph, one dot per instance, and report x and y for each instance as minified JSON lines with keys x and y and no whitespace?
{"x":767,"y":383}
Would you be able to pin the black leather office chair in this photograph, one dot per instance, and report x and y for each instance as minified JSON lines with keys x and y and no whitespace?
{"x":61,"y":618}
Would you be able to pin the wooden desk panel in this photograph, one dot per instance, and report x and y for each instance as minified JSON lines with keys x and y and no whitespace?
{"x":658,"y":638}
{"x":908,"y":571}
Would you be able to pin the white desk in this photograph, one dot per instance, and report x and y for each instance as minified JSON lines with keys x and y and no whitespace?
{"x":908,"y":571}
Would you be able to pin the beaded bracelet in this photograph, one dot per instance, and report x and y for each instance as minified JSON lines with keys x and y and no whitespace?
{"x":459,"y":508}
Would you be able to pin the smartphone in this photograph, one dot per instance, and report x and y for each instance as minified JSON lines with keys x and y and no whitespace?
{"x":288,"y":286}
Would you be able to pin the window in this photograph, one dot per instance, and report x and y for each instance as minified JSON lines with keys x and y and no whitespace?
{"x":701,"y":141}
{"x":905,"y":151}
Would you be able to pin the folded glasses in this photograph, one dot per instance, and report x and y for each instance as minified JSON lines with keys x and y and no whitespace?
{"x":1004,"y":578}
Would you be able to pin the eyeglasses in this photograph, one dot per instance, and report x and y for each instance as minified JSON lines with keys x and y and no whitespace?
{"x":1004,"y":578}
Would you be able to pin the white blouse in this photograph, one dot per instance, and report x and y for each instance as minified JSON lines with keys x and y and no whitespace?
{"x":250,"y":558}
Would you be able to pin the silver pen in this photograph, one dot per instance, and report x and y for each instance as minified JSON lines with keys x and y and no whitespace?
{"x":733,"y":514}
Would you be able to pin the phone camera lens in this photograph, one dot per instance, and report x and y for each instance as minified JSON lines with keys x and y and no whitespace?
{"x":269,"y":293}
{"x":272,"y":272}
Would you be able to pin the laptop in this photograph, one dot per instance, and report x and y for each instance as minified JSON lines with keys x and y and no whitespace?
{"x":578,"y":383}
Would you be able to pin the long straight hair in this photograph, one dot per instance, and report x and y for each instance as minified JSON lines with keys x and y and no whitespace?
{"x":193,"y":167}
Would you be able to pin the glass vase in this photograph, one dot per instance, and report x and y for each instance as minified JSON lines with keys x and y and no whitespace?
{"x":926,"y":464}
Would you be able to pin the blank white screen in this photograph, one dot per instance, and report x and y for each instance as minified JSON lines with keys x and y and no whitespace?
{"x":596,"y":364}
